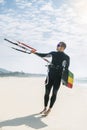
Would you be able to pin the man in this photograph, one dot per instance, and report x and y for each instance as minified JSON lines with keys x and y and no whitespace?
{"x":59,"y":60}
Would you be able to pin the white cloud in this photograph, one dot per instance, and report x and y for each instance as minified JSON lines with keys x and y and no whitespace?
{"x":47,"y":7}
{"x":80,"y":8}
{"x":1,"y":1}
{"x":23,"y":4}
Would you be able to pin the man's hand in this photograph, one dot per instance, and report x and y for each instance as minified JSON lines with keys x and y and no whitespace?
{"x":33,"y":51}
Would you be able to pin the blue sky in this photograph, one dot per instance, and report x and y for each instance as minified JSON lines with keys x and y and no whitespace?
{"x":42,"y":24}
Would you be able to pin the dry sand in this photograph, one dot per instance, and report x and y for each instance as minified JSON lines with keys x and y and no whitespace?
{"x":21,"y":99}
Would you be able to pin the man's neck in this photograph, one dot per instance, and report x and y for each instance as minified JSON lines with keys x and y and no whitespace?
{"x":60,"y":50}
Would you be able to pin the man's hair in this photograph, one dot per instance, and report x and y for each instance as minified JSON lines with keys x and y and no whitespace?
{"x":62,"y":44}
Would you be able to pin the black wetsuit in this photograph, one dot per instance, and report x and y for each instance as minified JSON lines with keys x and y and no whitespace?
{"x":54,"y":74}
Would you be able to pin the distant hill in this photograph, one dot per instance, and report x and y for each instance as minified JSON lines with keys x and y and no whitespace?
{"x":3,"y":71}
{"x":7,"y":73}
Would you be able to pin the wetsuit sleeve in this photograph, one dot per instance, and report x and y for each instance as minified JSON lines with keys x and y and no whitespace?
{"x":43,"y":54}
{"x":68,"y":62}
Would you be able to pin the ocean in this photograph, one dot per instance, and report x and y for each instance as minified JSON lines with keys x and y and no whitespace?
{"x":80,"y":82}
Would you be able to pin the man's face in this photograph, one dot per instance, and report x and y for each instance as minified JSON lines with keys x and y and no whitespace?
{"x":59,"y":48}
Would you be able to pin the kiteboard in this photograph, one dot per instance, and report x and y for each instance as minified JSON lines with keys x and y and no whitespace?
{"x":67,"y":78}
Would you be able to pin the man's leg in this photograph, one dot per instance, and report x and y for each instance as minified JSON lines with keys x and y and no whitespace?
{"x":54,"y":95}
{"x":46,"y":96}
{"x":52,"y":101}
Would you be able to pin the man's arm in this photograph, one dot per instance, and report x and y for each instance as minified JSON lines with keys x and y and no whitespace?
{"x":41,"y":54}
{"x":68,"y":62}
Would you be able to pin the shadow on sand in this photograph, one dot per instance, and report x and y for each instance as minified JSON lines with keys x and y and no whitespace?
{"x":33,"y":121}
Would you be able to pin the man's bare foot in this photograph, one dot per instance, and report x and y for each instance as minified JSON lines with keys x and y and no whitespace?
{"x":47,"y":112}
{"x":44,"y":110}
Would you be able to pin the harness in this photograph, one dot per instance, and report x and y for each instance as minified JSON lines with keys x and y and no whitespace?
{"x":57,"y":67}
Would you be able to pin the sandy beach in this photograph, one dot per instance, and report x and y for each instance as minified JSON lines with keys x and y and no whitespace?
{"x":21,"y":99}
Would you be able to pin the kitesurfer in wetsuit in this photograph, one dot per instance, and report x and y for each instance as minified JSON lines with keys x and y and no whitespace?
{"x":53,"y":80}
